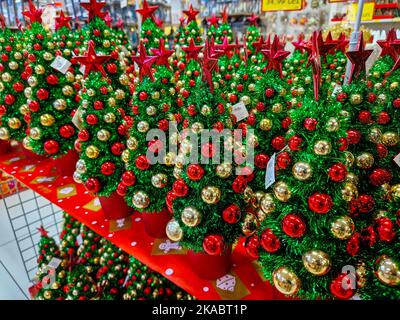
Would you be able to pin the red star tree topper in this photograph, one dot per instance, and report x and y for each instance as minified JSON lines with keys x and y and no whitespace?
{"x":108,"y":20}
{"x":119,"y":24}
{"x":225,"y":15}
{"x":213,"y":21}
{"x":209,"y":64}
{"x":192,"y":51}
{"x":259,"y":45}
{"x":34,"y":15}
{"x":147,"y":11}
{"x":389,"y":45}
{"x":94,"y":9}
{"x":92,"y":61}
{"x":323,"y":46}
{"x":43,"y":232}
{"x":315,"y":60}
{"x":63,"y":21}
{"x":191,"y":14}
{"x":343,"y":42}
{"x":162,"y":54}
{"x":358,"y":58}
{"x":253,"y":20}
{"x":144,"y":63}
{"x":225,"y":47}
{"x":275,"y":55}
{"x":299,"y":44}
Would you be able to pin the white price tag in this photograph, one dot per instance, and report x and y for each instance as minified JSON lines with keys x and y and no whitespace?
{"x":239,"y":110}
{"x":79,"y":239}
{"x":397,"y":159}
{"x":126,"y":281}
{"x":77,"y":119}
{"x":82,"y":69}
{"x":124,"y":3}
{"x":54,"y":263}
{"x":337,"y":88}
{"x":61,"y":64}
{"x":270,"y":172}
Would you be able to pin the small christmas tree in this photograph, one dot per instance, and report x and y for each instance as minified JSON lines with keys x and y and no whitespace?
{"x":192,"y":29}
{"x":150,"y":32}
{"x":69,"y":234}
{"x":224,"y":29}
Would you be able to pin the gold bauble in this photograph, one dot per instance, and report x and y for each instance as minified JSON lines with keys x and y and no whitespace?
{"x":32,"y":81}
{"x":342,"y":227}
{"x":169,"y":158}
{"x":28,"y":92}
{"x":143,"y":126}
{"x":124,"y":80}
{"x":177,"y":173}
{"x":286,"y":281}
{"x":307,"y":80}
{"x":395,"y":192}
{"x":390,"y":139}
{"x":67,"y":53}
{"x":14,"y":123}
{"x":267,"y":203}
{"x":119,"y":94}
{"x":211,"y":194}
{"x":106,"y":43}
{"x":332,"y":125}
{"x":317,"y":262}
{"x":91,"y":92}
{"x":277,"y":108}
{"x":35,"y":133}
{"x":250,"y":224}
{"x":352,"y":178}
{"x":375,"y":135}
{"x":257,"y":196}
{"x":355,"y":99}
{"x":47,"y":120}
{"x":382,"y":99}
{"x":252,"y":87}
{"x":55,"y":285}
{"x":246,"y":100}
{"x":92,"y":152}
{"x":361,"y":273}
{"x":103,"y":135}
{"x":67,"y":90}
{"x":282,"y":191}
{"x":322,"y":148}
{"x":302,"y":171}
{"x":349,"y":158}
{"x":174,"y":231}
{"x":151,"y":110}
{"x":109,"y":117}
{"x":18,"y":56}
{"x":159,"y":180}
{"x":155,"y":95}
{"x":132,"y":143}
{"x":2,"y":86}
{"x":80,"y":166}
{"x":191,"y":217}
{"x":26,"y":143}
{"x":266,"y":124}
{"x":13,"y":65}
{"x":365,"y":160}
{"x":39,"y":69}
{"x":60,"y":104}
{"x":205,"y":110}
{"x":180,"y":160}
{"x":6,"y":77}
{"x":4,"y":134}
{"x":224,"y":170}
{"x":387,"y":270}
{"x":47,"y":294}
{"x":125,"y":156}
{"x":140,"y":200}
{"x":394,"y":85}
{"x":197,"y":127}
{"x":349,"y":192}
{"x":70,"y":76}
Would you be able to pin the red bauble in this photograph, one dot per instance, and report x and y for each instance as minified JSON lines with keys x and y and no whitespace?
{"x":371,"y":97}
{"x":122,"y":129}
{"x":341,"y":97}
{"x":278,"y":143}
{"x":310,"y":124}
{"x":247,"y":172}
{"x":366,"y":203}
{"x":93,"y":185}
{"x":232,"y":214}
{"x":112,"y":68}
{"x":383,"y":118}
{"x":364,"y":117}
{"x":83,"y":135}
{"x":285,"y":123}
{"x":219,"y":126}
{"x":251,"y":119}
{"x":353,"y":136}
{"x":337,"y":172}
{"x":128,"y":178}
{"x":3,"y":110}
{"x":269,"y":241}
{"x":385,"y":229}
{"x":92,"y":119}
{"x":180,"y":188}
{"x":34,"y":106}
{"x":96,"y":32}
{"x":379,"y":177}
{"x":170,"y":198}
{"x":239,"y":87}
{"x":195,"y":172}
{"x":4,"y":57}
{"x":293,"y":226}
{"x":143,"y":95}
{"x":343,"y":287}
{"x":77,"y":146}
{"x":260,"y":106}
{"x":185,"y":93}
{"x":261,"y":160}
{"x":104,"y":90}
{"x":52,"y":79}
{"x":214,"y":244}
{"x":42,"y":94}
{"x":396,"y":103}
{"x":142,"y":163}
{"x":381,"y":150}
{"x":283,"y":160}
{"x":9,"y":99}
{"x":295,"y":143}
{"x":251,"y":245}
{"x":51,"y":146}
{"x":37,"y":46}
{"x":353,"y":245}
{"x":208,"y":150}
{"x":117,"y":148}
{"x":108,"y":168}
{"x":67,"y":131}
{"x":239,"y":184}
{"x":18,"y":86}
{"x":121,"y":189}
{"x":98,"y":105}
{"x":343,"y":144}
{"x":163,"y":124}
{"x":233,"y":98}
{"x":320,"y":203}
{"x":269,"y":92}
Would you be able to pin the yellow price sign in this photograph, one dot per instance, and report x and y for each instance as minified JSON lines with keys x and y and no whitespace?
{"x":281,"y":5}
{"x":367,"y":14}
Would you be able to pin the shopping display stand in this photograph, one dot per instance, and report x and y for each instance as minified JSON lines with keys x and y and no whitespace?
{"x":244,"y":281}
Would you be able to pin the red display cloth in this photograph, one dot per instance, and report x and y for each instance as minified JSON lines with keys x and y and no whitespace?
{"x":244,"y":281}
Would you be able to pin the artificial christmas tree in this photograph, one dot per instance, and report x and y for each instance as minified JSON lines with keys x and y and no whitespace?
{"x":69,"y":234}
{"x":224,"y":30}
{"x":192,"y":29}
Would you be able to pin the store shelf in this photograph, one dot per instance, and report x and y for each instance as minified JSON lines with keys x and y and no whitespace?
{"x":386,"y":6}
{"x":41,"y":177}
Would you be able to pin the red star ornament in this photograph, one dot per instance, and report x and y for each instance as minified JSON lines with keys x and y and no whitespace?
{"x":253,"y":20}
{"x":94,"y":9}
{"x":191,"y":14}
{"x":119,"y":24}
{"x":389,"y":45}
{"x":182,"y":21}
{"x":213,"y":21}
{"x":209,"y":64}
{"x":108,"y":20}
{"x":300,"y":43}
{"x":63,"y":21}
{"x":315,"y":60}
{"x":192,"y":51}
{"x":358,"y":58}
{"x":225,"y":15}
{"x":43,"y":232}
{"x":2,"y":22}
{"x":343,"y":42}
{"x":162,"y":54}
{"x":225,"y":47}
{"x":92,"y":61}
{"x":259,"y":45}
{"x":147,"y":11}
{"x":34,"y":15}
{"x":145,"y":63}
{"x":275,"y":55}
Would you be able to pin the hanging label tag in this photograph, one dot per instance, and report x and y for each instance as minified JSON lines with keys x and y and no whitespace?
{"x":77,"y":119}
{"x":61,"y":64}
{"x":270,"y":172}
{"x":79,"y":239}
{"x":82,"y":69}
{"x":397,"y":159}
{"x":336,"y":89}
{"x":54,"y":263}
{"x":239,"y":110}
{"x":126,"y":281}
{"x":124,"y":3}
